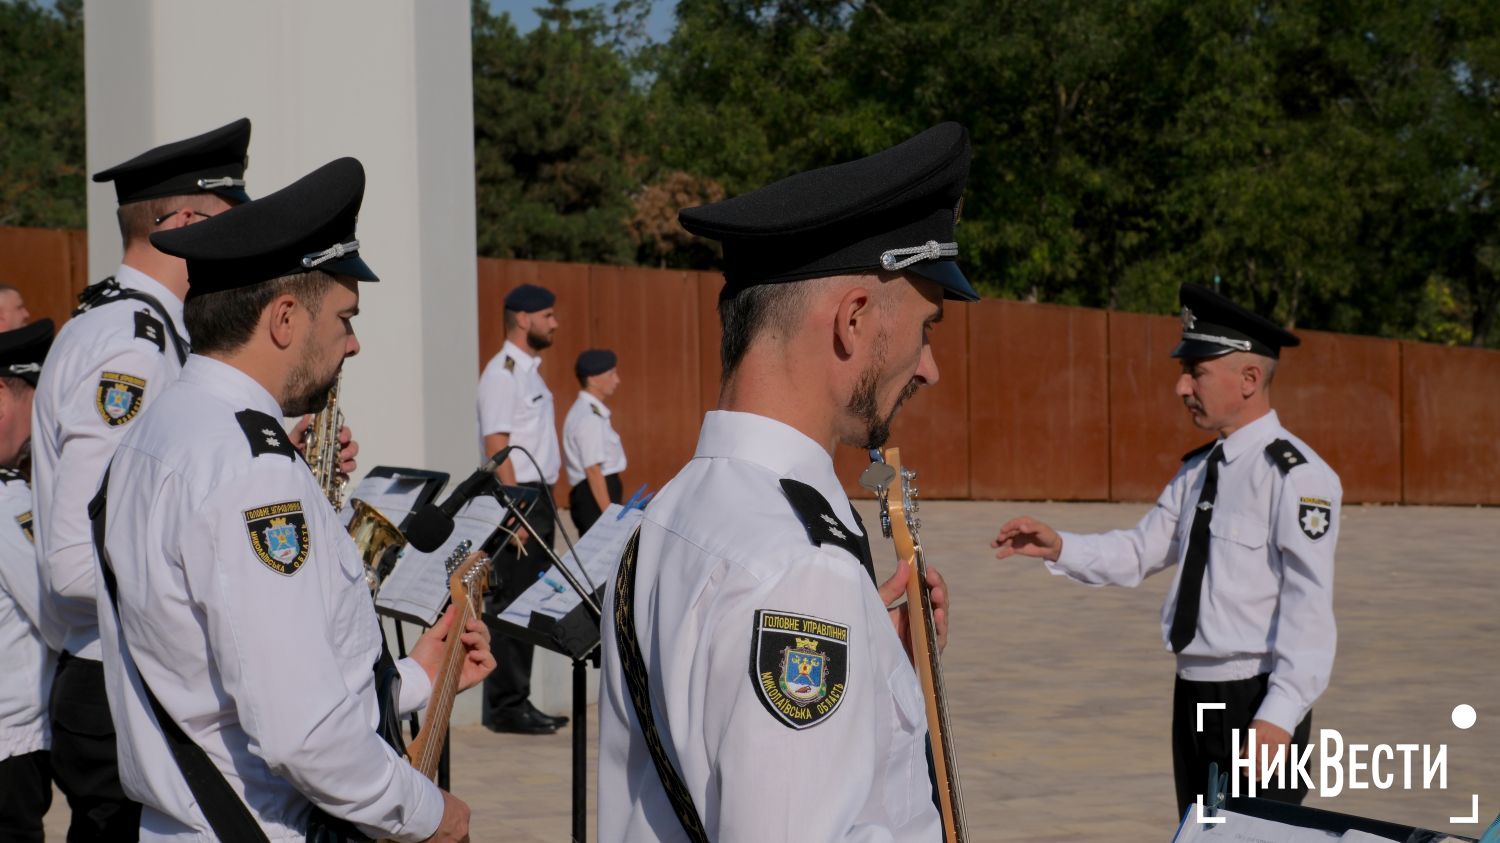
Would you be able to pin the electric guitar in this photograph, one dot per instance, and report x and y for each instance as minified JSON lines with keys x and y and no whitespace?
{"x":898,"y":521}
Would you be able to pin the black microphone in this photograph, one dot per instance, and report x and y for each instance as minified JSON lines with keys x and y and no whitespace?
{"x":432,"y":524}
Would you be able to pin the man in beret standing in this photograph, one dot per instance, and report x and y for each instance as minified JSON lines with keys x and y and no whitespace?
{"x":110,"y":361}
{"x":241,"y":647}
{"x":591,"y":447}
{"x":833,"y":279}
{"x":26,"y":661}
{"x":515,"y":410}
{"x":1251,"y":522}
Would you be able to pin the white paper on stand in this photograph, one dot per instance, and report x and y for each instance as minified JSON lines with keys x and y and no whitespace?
{"x":1242,"y":828}
{"x":600,"y":550}
{"x":394,"y":497}
{"x":417,"y":587}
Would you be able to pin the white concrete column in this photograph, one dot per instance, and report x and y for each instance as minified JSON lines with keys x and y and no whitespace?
{"x":386,"y":81}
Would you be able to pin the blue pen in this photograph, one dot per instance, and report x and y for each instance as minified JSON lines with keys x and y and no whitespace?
{"x":551,"y":583}
{"x":635,"y":502}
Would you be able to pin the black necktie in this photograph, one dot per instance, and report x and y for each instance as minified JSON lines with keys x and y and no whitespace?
{"x":1190,"y":591}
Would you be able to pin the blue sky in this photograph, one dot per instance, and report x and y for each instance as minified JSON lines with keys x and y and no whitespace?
{"x":658,"y":25}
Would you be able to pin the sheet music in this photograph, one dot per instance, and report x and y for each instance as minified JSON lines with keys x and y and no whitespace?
{"x":418,"y":586}
{"x":600,"y":550}
{"x":1242,"y":828}
{"x":394,"y":497}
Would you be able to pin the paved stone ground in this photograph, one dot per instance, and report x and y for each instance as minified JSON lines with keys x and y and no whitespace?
{"x":1061,"y":693}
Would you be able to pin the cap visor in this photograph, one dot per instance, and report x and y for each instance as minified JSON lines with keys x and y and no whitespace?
{"x":1200,"y":350}
{"x":352,"y":266}
{"x":948,"y":276}
{"x":236,"y":195}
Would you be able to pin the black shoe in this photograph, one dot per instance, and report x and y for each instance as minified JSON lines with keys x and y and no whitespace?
{"x":557,"y":721}
{"x":520,"y":721}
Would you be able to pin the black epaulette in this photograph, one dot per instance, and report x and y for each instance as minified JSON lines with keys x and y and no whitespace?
{"x":148,"y":327}
{"x":1285,"y":455}
{"x":823,"y":527}
{"x":510,"y":364}
{"x":1200,"y":449}
{"x":265,"y":434}
{"x":595,"y":408}
{"x":8,"y":475}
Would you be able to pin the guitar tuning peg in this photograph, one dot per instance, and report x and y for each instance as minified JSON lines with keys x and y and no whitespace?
{"x":908,"y":473}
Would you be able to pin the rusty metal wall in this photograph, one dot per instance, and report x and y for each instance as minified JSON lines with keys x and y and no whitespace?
{"x":1450,"y":413}
{"x":49,"y":266}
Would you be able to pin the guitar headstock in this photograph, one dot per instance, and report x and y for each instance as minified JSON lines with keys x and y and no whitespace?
{"x":468,"y":574}
{"x":896,"y":487}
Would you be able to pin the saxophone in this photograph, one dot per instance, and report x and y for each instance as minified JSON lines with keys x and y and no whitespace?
{"x":372,"y":532}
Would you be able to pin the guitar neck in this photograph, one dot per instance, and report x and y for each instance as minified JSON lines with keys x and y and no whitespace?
{"x":928,"y":662}
{"x":426,"y":750}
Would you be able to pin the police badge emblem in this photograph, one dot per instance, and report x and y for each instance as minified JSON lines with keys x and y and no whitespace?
{"x":799,"y":667}
{"x":1315,"y":517}
{"x":279,"y":536}
{"x":118,"y":398}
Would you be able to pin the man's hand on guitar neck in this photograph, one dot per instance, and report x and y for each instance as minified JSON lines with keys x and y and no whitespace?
{"x":454,"y":827}
{"x":478,"y":662}
{"x":937,"y":589}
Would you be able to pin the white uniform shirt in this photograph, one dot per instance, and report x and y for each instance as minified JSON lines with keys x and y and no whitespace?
{"x":1267,"y":600}
{"x":513,"y":399}
{"x":26,"y":665}
{"x":103,"y":369}
{"x":245,"y":608}
{"x":589,"y":439}
{"x":723,"y":555}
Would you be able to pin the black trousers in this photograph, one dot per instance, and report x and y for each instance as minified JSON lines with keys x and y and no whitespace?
{"x":25,"y":796}
{"x":84,"y":762}
{"x":509,"y":685}
{"x":582,"y":507}
{"x":1193,"y":751}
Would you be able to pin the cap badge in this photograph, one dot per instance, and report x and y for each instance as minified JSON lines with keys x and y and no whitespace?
{"x":1189,"y":322}
{"x":337,"y":250}
{"x":931,"y":250}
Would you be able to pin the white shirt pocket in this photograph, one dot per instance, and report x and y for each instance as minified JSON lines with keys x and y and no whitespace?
{"x":907,"y":785}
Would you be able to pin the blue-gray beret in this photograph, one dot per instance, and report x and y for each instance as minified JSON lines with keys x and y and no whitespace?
{"x":1213,"y":326}
{"x":23,"y":349}
{"x":529,"y":298}
{"x":213,"y":162}
{"x":595,"y":361}
{"x":307,"y":225}
{"x":894,"y":210}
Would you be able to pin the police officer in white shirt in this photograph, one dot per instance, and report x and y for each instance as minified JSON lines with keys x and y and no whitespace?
{"x":708,"y":726}
{"x":109,"y":362}
{"x":1251,"y":522}
{"x":235,"y":622}
{"x":26,"y":661}
{"x":515,"y":409}
{"x":592,"y":450}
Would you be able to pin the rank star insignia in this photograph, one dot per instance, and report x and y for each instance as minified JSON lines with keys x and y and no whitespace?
{"x":799,"y":667}
{"x":279,"y":536}
{"x":272,"y":438}
{"x":118,"y":397}
{"x":1314,"y":516}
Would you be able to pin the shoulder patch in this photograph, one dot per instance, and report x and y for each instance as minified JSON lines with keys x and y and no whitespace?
{"x":279,"y":536}
{"x":265,"y":434}
{"x":823,"y":527}
{"x":24,"y":522}
{"x":148,"y":327}
{"x":1315,"y":517}
{"x":510,"y":364}
{"x":118,"y":397}
{"x":1285,"y":455}
{"x":799,"y":666}
{"x":1204,"y":448}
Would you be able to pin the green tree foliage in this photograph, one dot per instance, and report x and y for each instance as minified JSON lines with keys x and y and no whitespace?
{"x":41,"y":114}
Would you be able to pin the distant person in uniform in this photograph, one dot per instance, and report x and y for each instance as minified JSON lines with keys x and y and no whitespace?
{"x":27,"y":663}
{"x":751,"y":562}
{"x":1251,"y":521}
{"x":515,"y":409}
{"x":234,"y":616}
{"x":591,"y":448}
{"x":13,"y":312}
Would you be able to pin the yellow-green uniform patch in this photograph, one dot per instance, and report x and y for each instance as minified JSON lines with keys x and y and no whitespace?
{"x":24,"y":522}
{"x":279,"y":536}
{"x":799,"y":666}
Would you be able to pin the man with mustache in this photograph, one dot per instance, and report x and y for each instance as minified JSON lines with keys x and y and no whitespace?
{"x":1251,"y":522}
{"x":515,"y":408}
{"x":746,"y":631}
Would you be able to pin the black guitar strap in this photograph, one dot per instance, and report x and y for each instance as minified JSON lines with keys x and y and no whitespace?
{"x":638,"y":682}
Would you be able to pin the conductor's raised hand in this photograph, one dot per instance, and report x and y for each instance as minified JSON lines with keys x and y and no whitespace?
{"x":478,"y":662}
{"x":1028,"y":537}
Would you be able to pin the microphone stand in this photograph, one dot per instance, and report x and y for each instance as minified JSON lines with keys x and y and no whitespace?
{"x":580,"y":674}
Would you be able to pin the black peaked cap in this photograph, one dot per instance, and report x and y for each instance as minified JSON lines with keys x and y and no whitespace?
{"x":595,"y":361}
{"x":23,"y":349}
{"x":1213,"y":326}
{"x":849,"y":217}
{"x":307,"y":225}
{"x":529,"y":298}
{"x":213,"y":162}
